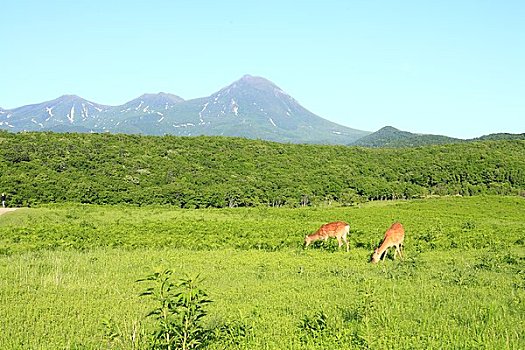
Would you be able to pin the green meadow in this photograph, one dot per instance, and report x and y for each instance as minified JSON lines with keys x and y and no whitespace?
{"x":68,"y":275}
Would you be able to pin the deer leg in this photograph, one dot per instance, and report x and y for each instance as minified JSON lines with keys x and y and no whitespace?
{"x":340,"y":242}
{"x":398,"y":251}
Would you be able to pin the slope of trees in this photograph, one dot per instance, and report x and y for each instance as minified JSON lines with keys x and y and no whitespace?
{"x":392,"y":137}
{"x":196,"y":172}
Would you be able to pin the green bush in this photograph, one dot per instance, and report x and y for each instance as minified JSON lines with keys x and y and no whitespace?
{"x":179,"y":312}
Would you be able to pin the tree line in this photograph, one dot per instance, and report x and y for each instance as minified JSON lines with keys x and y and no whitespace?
{"x":212,"y":171}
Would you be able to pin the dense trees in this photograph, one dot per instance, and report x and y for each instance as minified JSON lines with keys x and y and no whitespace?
{"x":195,"y":172}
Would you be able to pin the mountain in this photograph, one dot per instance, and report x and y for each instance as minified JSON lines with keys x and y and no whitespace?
{"x":255,"y":108}
{"x":66,"y":113}
{"x":148,"y":109}
{"x":392,"y":137}
{"x":147,"y":104}
{"x":251,"y":107}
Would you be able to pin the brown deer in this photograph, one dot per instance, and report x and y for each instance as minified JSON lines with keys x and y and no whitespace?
{"x":393,"y":238}
{"x":337,"y":229}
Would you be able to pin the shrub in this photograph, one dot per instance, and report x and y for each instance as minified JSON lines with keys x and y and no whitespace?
{"x":179,"y":311}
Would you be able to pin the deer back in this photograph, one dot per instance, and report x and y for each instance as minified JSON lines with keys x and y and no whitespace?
{"x":332,"y":229}
{"x":394,"y":235}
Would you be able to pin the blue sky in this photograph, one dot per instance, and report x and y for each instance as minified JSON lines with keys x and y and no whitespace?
{"x":444,"y":67}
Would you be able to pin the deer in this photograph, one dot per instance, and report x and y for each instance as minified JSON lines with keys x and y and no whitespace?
{"x":393,"y":238}
{"x":337,"y":229}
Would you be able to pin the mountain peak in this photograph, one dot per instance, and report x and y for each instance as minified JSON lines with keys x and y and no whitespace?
{"x":69,"y":98}
{"x":256,"y":82}
{"x":248,"y":78}
{"x":388,"y":128}
{"x":161,"y":96}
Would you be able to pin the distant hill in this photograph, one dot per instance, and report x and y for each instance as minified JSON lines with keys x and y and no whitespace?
{"x":389,"y":136}
{"x":251,"y":107}
{"x":501,"y":136}
{"x":392,"y":137}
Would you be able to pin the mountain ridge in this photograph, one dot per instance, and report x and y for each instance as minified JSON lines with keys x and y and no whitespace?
{"x":251,"y":107}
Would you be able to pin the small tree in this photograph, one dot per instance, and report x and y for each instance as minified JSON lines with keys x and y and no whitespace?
{"x":180,"y":308}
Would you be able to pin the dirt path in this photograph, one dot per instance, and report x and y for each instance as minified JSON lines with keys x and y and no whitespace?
{"x":6,"y":210}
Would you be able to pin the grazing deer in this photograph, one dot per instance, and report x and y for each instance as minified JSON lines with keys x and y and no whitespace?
{"x":393,"y":238}
{"x":338,"y":229}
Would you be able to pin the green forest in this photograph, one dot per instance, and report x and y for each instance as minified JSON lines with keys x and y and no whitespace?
{"x":218,"y":172}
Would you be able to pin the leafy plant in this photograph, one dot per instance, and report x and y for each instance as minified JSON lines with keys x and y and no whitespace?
{"x":231,"y":333}
{"x":314,"y":326}
{"x":179,"y":311}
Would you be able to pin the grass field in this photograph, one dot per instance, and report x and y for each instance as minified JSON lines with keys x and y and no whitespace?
{"x":67,"y":275}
